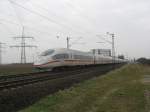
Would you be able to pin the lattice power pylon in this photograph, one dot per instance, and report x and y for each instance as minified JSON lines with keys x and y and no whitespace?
{"x":23,"y":46}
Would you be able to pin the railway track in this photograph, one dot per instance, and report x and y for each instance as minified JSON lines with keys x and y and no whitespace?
{"x":8,"y":77}
{"x":17,"y":92}
{"x":15,"y":81}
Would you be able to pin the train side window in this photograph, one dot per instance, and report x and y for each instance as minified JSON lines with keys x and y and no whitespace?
{"x":61,"y":56}
{"x":82,"y":57}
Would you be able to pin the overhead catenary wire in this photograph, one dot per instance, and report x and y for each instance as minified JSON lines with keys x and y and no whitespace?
{"x":21,"y":23}
{"x":44,"y":17}
{"x":47,"y":18}
{"x":77,"y":10}
{"x":101,"y":37}
{"x":7,"y":28}
{"x":26,"y":26}
{"x":68,"y":3}
{"x":76,"y":41}
{"x":16,"y":12}
{"x":53,"y":14}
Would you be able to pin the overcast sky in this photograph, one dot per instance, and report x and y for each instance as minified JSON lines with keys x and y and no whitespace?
{"x":81,"y":20}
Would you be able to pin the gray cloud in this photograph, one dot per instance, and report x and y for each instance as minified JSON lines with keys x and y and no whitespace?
{"x":128,"y":19}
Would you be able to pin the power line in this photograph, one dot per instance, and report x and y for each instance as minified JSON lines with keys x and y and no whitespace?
{"x":69,"y":45}
{"x":64,"y":19}
{"x":81,"y":14}
{"x":18,"y":16}
{"x":101,"y":37}
{"x":9,"y":21}
{"x":23,"y":46}
{"x":25,"y":26}
{"x":45,"y":17}
{"x":110,"y":42}
{"x":76,"y":42}
{"x":68,"y":41}
{"x":1,"y":47}
{"x":5,"y":26}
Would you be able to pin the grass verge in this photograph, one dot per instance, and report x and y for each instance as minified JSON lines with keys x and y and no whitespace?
{"x":12,"y":69}
{"x":119,"y":91}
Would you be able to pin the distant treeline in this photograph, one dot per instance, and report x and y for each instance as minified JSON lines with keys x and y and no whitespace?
{"x":144,"y":61}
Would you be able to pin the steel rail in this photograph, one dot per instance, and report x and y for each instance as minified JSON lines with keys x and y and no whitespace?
{"x":21,"y":81}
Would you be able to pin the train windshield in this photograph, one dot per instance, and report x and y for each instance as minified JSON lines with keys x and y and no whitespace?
{"x":48,"y":52}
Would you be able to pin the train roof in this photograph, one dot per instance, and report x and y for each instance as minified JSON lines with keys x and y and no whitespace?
{"x":64,"y":50}
{"x":67,"y":50}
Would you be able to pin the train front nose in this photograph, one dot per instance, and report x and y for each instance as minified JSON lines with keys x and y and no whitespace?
{"x":43,"y":59}
{"x":40,"y":61}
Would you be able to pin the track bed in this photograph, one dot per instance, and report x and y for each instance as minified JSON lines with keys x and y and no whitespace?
{"x":17,"y":93}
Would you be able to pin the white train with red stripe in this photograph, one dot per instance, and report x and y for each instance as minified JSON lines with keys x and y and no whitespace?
{"x":54,"y":58}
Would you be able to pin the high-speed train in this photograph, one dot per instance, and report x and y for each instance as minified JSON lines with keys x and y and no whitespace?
{"x":54,"y":58}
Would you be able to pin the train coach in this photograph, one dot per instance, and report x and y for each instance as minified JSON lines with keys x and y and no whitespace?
{"x":62,"y":57}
